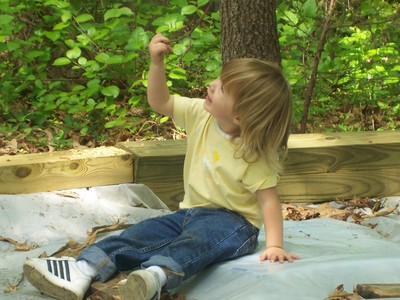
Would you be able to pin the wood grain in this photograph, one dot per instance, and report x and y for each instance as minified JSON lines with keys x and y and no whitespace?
{"x":64,"y":170}
{"x":319,"y":168}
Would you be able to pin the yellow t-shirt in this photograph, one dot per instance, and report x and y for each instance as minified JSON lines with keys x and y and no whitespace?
{"x":213,"y":178}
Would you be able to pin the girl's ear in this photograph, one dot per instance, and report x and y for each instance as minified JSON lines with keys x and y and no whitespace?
{"x":236,"y":120}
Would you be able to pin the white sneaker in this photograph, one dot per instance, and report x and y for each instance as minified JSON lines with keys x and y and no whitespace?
{"x":60,"y":278}
{"x":140,"y":285}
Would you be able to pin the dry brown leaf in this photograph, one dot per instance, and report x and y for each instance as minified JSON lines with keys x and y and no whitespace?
{"x":19,"y":246}
{"x":13,"y":145}
{"x":73,"y":248}
{"x":13,"y":288}
{"x":68,"y":194}
{"x":340,"y":294}
{"x":354,"y":208}
{"x":387,"y":211}
{"x":298,"y":213}
{"x":10,"y":289}
{"x":358,"y":202}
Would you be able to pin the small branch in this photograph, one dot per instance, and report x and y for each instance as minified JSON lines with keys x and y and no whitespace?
{"x":317,"y":57}
{"x":188,"y":34}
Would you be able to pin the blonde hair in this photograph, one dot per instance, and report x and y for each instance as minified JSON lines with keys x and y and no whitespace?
{"x":263,"y":103}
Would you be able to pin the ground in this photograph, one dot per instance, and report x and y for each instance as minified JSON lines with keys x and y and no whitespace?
{"x":345,"y":118}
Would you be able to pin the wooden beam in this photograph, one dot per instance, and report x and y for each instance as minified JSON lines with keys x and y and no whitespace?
{"x":159,"y":165}
{"x":323,"y":167}
{"x":64,"y":170}
{"x":320,"y":167}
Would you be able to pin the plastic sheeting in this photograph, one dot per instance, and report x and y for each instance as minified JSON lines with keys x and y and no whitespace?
{"x":332,"y":252}
{"x":49,"y":220}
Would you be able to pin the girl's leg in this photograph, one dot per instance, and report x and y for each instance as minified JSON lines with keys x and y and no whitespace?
{"x":134,"y":245}
{"x":209,"y":236}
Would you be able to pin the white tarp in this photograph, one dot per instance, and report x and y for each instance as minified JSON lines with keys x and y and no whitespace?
{"x":332,"y":252}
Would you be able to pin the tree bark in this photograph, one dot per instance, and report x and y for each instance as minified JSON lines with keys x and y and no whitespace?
{"x":249,"y":30}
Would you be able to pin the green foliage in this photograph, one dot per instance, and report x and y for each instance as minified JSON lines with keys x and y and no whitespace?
{"x":81,"y":67}
{"x":358,"y":74}
{"x":78,"y":70}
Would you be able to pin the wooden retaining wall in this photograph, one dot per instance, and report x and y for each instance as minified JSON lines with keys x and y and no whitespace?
{"x":320,"y":167}
{"x":44,"y":172}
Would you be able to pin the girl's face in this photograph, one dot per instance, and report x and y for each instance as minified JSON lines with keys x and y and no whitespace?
{"x":220,"y":104}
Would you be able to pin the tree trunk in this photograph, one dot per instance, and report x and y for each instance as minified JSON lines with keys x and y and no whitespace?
{"x":249,"y":30}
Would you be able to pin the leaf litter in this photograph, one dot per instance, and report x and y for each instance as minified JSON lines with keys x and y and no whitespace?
{"x":356,"y":210}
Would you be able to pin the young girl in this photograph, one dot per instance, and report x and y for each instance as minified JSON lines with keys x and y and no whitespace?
{"x":236,"y":139}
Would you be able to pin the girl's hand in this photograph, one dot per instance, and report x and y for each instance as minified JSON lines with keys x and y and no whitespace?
{"x":158,"y":47}
{"x":274,"y":254}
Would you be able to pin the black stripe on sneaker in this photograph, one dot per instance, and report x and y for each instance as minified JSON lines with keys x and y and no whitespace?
{"x":55,"y":269}
{"x":68,"y":274}
{"x":59,"y":268}
{"x":49,"y":266}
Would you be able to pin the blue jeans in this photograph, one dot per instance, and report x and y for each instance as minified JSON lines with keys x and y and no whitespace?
{"x":183,"y":242}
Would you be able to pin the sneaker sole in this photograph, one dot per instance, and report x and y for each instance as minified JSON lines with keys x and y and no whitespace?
{"x":46,"y":286}
{"x":132,"y":288}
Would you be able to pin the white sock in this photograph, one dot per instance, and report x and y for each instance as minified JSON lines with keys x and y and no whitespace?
{"x":161,"y":274}
{"x":87,"y":268}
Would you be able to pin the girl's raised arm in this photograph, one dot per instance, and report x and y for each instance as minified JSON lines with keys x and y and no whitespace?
{"x":157,"y":90}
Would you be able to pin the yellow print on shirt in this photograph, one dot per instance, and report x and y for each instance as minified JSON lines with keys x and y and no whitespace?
{"x":215,"y":156}
{"x":208,"y":164}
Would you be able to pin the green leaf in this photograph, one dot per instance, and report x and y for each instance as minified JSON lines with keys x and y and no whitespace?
{"x":188,"y":10}
{"x":61,"y":61}
{"x":168,"y":20}
{"x":179,"y":3}
{"x":201,"y":3}
{"x":94,"y":84}
{"x":177,"y":73}
{"x":74,"y":53}
{"x":164,"y":119}
{"x":39,"y":84}
{"x":162,"y":28}
{"x":111,"y":90}
{"x":57,"y":3}
{"x":391,"y":80}
{"x":84,"y":131}
{"x":179,"y":49}
{"x":138,"y":40}
{"x":101,"y":105}
{"x":115,"y":123}
{"x":117,"y":12}
{"x":13,"y":45}
{"x":213,"y":65}
{"x":60,"y":26}
{"x":78,"y":87}
{"x":6,"y":19}
{"x":82,"y":61}
{"x":70,"y":43}
{"x":52,"y":35}
{"x":115,"y":59}
{"x":34,"y":54}
{"x":102,"y":57}
{"x":310,"y":9}
{"x":84,"y":18}
{"x":66,"y":16}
